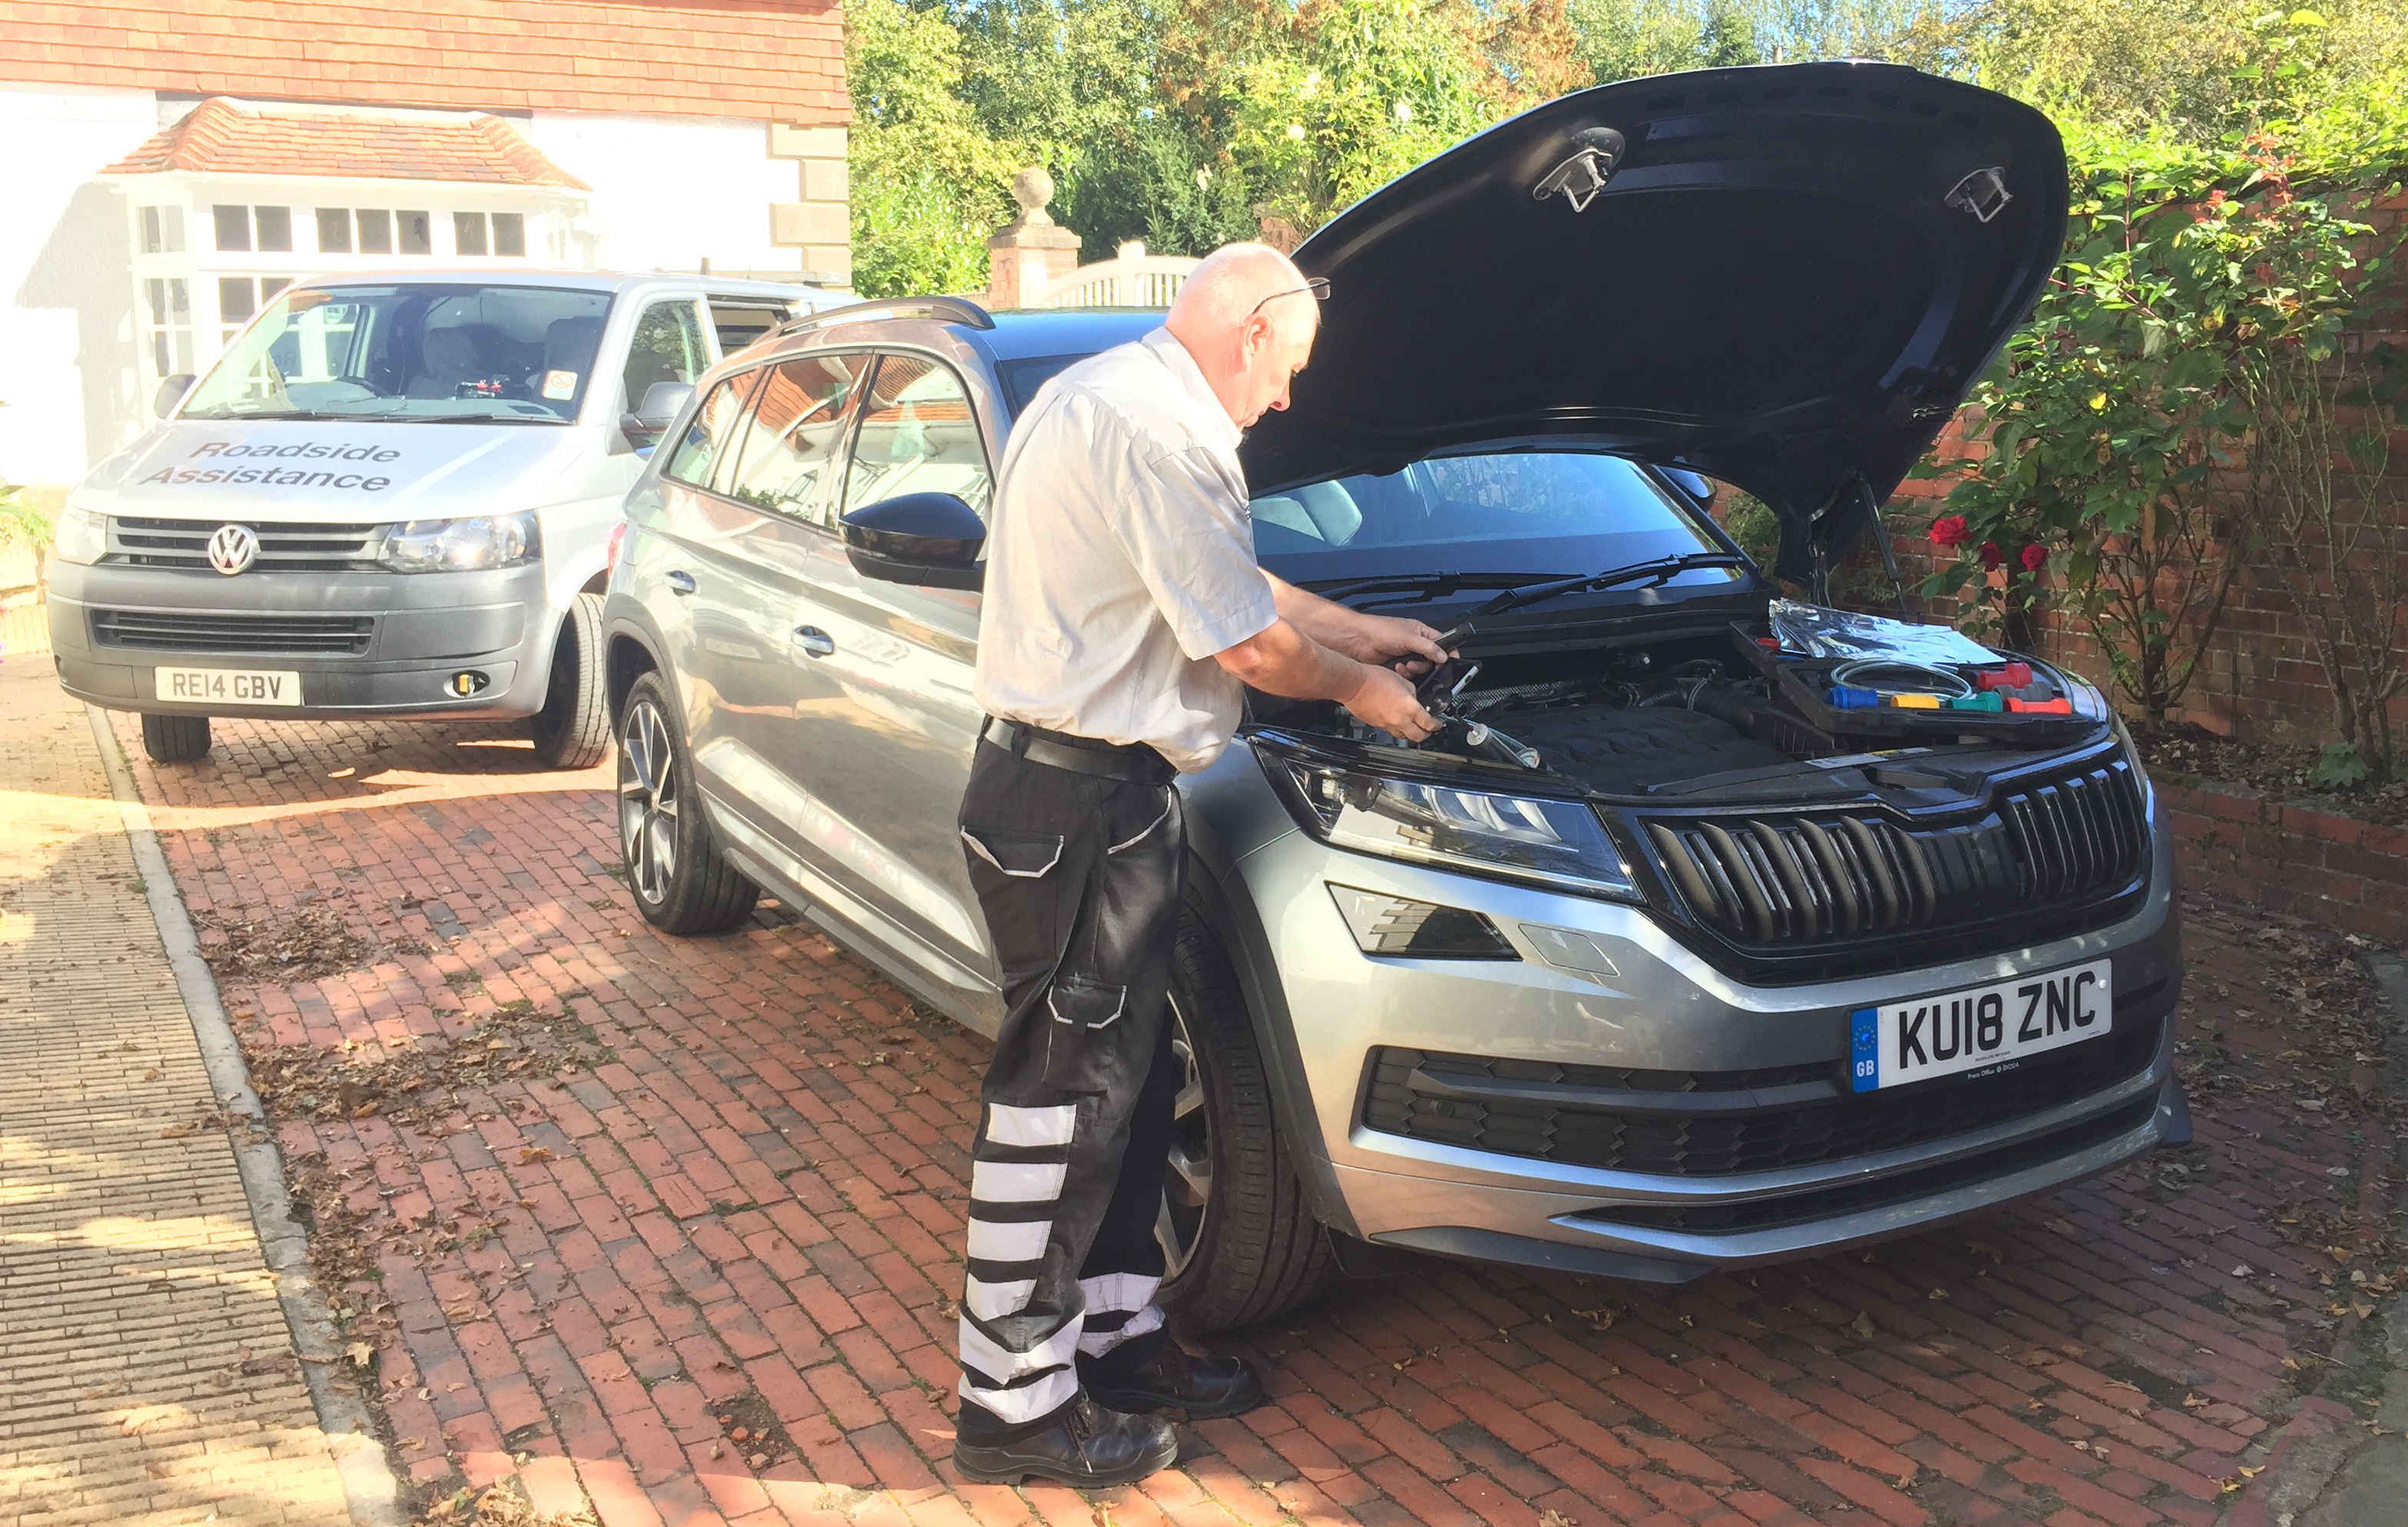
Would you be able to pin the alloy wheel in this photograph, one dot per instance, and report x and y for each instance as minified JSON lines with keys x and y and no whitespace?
{"x":648,"y":803}
{"x":1187,"y":1186}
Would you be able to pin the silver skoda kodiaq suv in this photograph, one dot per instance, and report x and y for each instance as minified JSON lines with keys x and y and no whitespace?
{"x":1661,"y":957}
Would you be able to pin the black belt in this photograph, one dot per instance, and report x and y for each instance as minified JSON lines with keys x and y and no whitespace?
{"x":1132,"y":760}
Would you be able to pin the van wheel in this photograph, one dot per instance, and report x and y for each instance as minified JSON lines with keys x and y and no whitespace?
{"x":176,"y":739}
{"x":682,"y":882}
{"x":572,"y":730}
{"x":1240,"y":1244}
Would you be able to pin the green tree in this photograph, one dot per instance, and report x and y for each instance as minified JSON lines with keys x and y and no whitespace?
{"x":929,"y":183}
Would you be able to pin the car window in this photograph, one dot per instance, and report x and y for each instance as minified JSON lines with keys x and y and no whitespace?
{"x":1530,"y":511}
{"x":407,"y":351}
{"x":667,"y":347}
{"x":797,"y":433}
{"x":917,"y":436}
{"x":740,"y":320}
{"x":705,"y":450}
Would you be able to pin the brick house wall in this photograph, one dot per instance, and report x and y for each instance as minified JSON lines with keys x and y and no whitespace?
{"x":700,"y":134}
{"x":2261,"y":680}
{"x":772,"y":60}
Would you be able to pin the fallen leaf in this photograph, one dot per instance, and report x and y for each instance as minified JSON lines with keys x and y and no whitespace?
{"x":1862,"y":1326}
{"x":532,"y":1154}
{"x":361,"y":1353}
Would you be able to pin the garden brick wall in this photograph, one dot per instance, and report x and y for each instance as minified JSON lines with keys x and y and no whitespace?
{"x":2262,"y":682}
{"x":2338,"y":871}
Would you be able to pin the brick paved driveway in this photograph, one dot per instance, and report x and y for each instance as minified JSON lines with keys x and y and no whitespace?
{"x":703,"y":1272}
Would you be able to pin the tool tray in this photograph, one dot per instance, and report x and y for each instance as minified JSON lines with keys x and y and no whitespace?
{"x":1802,"y":683}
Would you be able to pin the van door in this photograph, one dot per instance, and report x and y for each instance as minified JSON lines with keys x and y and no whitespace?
{"x":899,"y":661}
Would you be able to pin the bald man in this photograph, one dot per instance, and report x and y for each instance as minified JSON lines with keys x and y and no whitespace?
{"x":1123,"y":617}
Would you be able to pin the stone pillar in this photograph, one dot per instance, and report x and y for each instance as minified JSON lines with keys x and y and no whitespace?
{"x":1030,"y":253}
{"x":819,"y":226}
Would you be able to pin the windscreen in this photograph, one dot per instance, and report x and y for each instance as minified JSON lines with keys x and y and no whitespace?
{"x":411,"y":350}
{"x":1551,"y":512}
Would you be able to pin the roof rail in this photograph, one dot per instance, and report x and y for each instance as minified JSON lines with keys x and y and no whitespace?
{"x":943,"y":309}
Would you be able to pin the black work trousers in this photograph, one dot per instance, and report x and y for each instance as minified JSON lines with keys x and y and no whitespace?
{"x":1078,"y":877}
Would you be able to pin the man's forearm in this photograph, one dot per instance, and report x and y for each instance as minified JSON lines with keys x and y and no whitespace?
{"x":1325,"y":621}
{"x":1285,"y":660}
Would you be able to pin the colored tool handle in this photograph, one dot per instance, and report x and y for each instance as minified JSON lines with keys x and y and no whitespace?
{"x":2013,"y":676}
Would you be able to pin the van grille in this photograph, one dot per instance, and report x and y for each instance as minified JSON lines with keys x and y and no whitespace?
{"x":1765,"y":881}
{"x":231,"y":632}
{"x":282,"y":547}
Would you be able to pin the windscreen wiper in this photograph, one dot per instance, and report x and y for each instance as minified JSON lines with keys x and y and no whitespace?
{"x":1421,"y":585}
{"x":1654,"y":573}
{"x":1659,"y":571}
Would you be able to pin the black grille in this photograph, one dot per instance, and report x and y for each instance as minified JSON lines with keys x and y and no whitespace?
{"x":1686,"y":1126}
{"x":1766,"y":881}
{"x":282,"y":548}
{"x":1795,"y":1208}
{"x":180,"y":632}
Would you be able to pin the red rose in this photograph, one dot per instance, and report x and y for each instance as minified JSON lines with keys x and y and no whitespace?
{"x":1992,"y":556}
{"x":1949,"y":530}
{"x":2035,"y":557}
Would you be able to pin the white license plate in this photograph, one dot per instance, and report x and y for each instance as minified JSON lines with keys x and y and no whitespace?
{"x":1978,"y":1026}
{"x":230,"y":686}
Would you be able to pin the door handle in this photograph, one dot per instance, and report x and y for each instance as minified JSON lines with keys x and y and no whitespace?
{"x":679,"y":583}
{"x":811,"y":639}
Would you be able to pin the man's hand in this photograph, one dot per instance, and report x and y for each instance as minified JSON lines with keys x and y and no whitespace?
{"x":1381,"y":640}
{"x":1386,"y":639}
{"x":1385,"y":699}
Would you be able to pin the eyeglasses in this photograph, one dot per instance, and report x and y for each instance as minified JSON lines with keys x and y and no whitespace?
{"x":1317,"y":285}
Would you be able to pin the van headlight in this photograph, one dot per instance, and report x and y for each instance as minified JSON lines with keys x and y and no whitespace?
{"x":462,"y":545}
{"x":1531,"y":839}
{"x":81,"y":537}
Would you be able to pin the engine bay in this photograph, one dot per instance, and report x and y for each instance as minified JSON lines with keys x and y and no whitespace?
{"x":1710,"y":716}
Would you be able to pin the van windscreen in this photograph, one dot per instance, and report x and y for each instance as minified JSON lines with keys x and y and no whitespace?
{"x":411,"y":350}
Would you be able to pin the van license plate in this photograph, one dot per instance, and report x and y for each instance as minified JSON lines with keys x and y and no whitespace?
{"x":1979,"y":1026}
{"x":230,"y":686}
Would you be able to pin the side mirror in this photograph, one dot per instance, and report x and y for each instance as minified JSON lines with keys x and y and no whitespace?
{"x":171,"y":392}
{"x":663,"y":402}
{"x":929,"y":539}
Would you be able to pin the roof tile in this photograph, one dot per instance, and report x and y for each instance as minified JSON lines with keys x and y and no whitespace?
{"x":219,"y":136}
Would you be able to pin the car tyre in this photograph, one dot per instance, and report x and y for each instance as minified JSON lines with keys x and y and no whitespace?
{"x":176,"y":739}
{"x":572,"y":730}
{"x":681,"y":879}
{"x":1241,"y":1242}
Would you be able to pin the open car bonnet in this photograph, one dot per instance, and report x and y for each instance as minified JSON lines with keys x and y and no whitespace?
{"x":1789,"y":278}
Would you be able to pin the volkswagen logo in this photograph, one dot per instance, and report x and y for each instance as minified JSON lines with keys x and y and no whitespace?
{"x":234,"y":549}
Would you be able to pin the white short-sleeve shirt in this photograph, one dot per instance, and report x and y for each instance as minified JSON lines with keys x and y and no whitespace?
{"x":1121,"y":558}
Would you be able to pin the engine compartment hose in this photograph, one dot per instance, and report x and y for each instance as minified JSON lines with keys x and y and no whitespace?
{"x":1895,"y":676}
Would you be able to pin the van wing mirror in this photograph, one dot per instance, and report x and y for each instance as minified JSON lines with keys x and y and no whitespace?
{"x":663,"y":402}
{"x":171,"y":392}
{"x":932,"y":540}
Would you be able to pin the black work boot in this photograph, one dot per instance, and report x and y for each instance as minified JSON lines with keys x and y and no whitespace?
{"x":1169,"y":1379}
{"x":1087,"y":1447}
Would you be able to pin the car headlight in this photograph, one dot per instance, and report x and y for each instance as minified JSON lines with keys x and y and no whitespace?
{"x":1543,"y":841}
{"x":462,"y":545}
{"x":81,"y":536}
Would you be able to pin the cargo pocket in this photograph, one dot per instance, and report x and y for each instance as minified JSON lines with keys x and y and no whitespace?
{"x":1022,"y":856}
{"x":1018,"y":878}
{"x":1083,"y":1037}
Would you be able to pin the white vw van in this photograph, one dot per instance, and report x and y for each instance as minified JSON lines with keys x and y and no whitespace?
{"x":392,"y":496}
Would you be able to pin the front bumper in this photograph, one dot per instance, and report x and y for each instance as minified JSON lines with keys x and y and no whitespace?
{"x":419,"y":630}
{"x":1600,"y":985}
